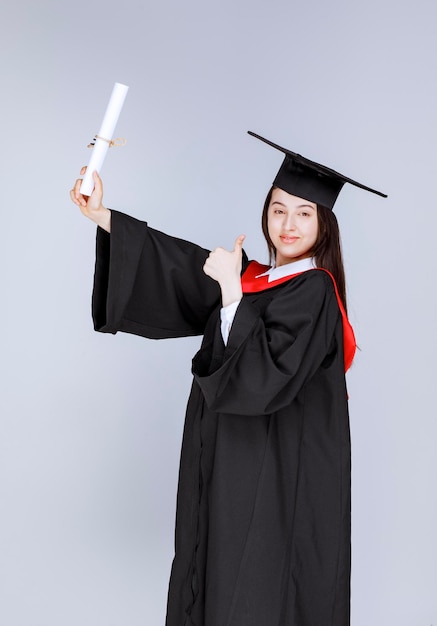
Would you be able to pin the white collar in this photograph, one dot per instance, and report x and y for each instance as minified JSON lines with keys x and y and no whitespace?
{"x":274,"y":273}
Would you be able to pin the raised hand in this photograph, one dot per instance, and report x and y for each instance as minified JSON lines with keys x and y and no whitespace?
{"x":224,"y":266}
{"x":91,"y":206}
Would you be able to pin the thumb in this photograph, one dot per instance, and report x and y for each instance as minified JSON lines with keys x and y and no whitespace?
{"x":97,"y":180}
{"x":239,"y":243}
{"x":98,"y":184}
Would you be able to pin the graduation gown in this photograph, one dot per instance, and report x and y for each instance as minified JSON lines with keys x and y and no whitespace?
{"x":263,"y":509}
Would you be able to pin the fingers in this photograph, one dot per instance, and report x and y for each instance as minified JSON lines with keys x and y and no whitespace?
{"x":239,"y":243}
{"x":79,"y":199}
{"x":75,"y":194}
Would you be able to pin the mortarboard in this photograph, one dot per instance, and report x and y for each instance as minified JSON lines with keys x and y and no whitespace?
{"x":314,"y":182}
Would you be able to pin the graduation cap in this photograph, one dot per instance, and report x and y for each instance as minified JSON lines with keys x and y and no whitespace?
{"x":306,"y":179}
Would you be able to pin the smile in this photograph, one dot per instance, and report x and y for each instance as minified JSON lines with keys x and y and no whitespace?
{"x":287,"y":239}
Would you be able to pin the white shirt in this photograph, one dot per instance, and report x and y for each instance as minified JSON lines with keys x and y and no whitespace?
{"x":227,"y":313}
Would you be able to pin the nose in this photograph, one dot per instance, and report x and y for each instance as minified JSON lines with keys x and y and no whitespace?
{"x":290,"y":222}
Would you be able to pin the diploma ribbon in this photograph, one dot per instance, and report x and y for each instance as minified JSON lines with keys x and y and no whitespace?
{"x":118,"y":142}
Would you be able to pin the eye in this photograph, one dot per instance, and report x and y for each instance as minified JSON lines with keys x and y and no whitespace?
{"x":278,"y":211}
{"x":305,"y":213}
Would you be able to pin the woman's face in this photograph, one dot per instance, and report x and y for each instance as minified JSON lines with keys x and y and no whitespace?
{"x":293,"y":226}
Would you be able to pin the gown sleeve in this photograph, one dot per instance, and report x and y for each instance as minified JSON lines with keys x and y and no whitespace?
{"x":273,"y":349}
{"x":150,"y":284}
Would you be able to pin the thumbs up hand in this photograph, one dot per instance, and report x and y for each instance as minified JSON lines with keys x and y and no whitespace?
{"x":224,"y":266}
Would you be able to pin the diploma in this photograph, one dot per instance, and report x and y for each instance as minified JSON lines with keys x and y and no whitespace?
{"x":103,"y":140}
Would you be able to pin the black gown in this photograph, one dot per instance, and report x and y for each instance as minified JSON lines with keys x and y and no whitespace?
{"x":263,"y":509}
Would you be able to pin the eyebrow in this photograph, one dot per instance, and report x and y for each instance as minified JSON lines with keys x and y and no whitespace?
{"x":299,"y":206}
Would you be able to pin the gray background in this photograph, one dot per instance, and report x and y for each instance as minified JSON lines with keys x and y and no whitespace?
{"x":91,"y":424}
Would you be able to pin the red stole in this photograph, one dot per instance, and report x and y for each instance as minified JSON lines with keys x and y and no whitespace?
{"x":251,"y":284}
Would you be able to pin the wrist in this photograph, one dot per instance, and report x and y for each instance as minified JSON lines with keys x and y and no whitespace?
{"x":103,"y":219}
{"x":231,"y":294}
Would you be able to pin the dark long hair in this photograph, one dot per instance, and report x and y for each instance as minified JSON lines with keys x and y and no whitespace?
{"x":327,"y":249}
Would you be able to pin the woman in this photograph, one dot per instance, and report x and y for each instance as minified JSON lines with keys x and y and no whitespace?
{"x":263,"y":511}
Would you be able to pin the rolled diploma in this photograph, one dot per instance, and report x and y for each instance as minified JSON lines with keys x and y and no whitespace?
{"x":107,"y":128}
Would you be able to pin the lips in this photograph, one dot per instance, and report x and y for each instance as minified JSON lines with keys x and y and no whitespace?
{"x":287,"y":239}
